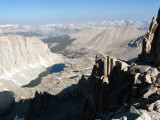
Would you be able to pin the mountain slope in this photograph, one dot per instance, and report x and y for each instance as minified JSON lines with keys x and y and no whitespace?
{"x":114,"y":42}
{"x":20,"y":54}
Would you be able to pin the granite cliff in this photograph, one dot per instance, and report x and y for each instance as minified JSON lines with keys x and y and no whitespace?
{"x":116,"y":89}
{"x":21,"y":55}
{"x":151,"y":43}
{"x":23,"y":60}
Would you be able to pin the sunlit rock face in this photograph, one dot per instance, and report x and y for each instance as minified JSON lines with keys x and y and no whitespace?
{"x":151,"y":43}
{"x":19,"y":55}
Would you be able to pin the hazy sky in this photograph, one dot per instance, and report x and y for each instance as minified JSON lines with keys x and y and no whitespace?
{"x":37,"y":12}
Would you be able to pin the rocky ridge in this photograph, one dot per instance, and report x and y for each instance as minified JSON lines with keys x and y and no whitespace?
{"x":43,"y":31}
{"x":150,"y":48}
{"x":116,"y":89}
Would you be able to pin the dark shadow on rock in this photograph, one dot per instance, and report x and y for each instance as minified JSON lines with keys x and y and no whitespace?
{"x":44,"y":106}
{"x":73,"y":77}
{"x":133,"y":60}
{"x":7,"y":103}
{"x":136,"y":42}
{"x":65,"y":105}
{"x":62,"y":42}
{"x":139,"y":62}
{"x":76,"y":71}
{"x":37,"y":81}
{"x":131,"y":116}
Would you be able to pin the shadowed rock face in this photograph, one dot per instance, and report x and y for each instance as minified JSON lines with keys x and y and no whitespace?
{"x":6,"y":103}
{"x":151,"y":42}
{"x":102,"y":82}
{"x":116,"y":87}
{"x":63,"y":106}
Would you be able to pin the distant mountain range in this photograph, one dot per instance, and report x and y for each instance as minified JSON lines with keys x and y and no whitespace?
{"x":49,"y":30}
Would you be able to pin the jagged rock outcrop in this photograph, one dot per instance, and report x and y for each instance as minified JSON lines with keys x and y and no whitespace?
{"x":126,"y":87}
{"x":98,"y":88}
{"x":54,"y":107}
{"x":150,"y":48}
{"x":20,"y":54}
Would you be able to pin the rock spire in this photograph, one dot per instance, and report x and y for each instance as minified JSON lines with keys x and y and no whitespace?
{"x":151,"y":43}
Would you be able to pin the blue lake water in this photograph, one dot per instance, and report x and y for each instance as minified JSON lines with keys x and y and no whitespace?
{"x":57,"y":68}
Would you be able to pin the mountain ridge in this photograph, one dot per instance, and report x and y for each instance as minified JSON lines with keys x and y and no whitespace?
{"x":43,"y":31}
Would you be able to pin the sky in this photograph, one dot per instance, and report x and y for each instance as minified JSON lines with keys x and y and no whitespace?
{"x":39,"y":12}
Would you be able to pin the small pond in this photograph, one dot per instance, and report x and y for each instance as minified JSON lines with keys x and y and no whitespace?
{"x":57,"y":68}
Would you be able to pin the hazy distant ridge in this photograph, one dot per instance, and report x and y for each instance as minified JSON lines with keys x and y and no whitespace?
{"x":65,"y":29}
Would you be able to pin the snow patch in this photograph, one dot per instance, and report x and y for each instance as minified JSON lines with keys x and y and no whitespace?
{"x":16,"y":70}
{"x":13,"y":72}
{"x":22,"y":75}
{"x":88,"y":68}
{"x":8,"y":74}
{"x":5,"y":89}
{"x":42,"y":62}
{"x":87,"y":74}
{"x":23,"y":99}
{"x":17,"y":118}
{"x":5,"y":77}
{"x":25,"y":67}
{"x":32,"y":66}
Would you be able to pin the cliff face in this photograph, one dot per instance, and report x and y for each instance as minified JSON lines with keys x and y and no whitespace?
{"x":102,"y":93}
{"x":151,"y":42}
{"x":116,"y":89}
{"x":20,"y":54}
